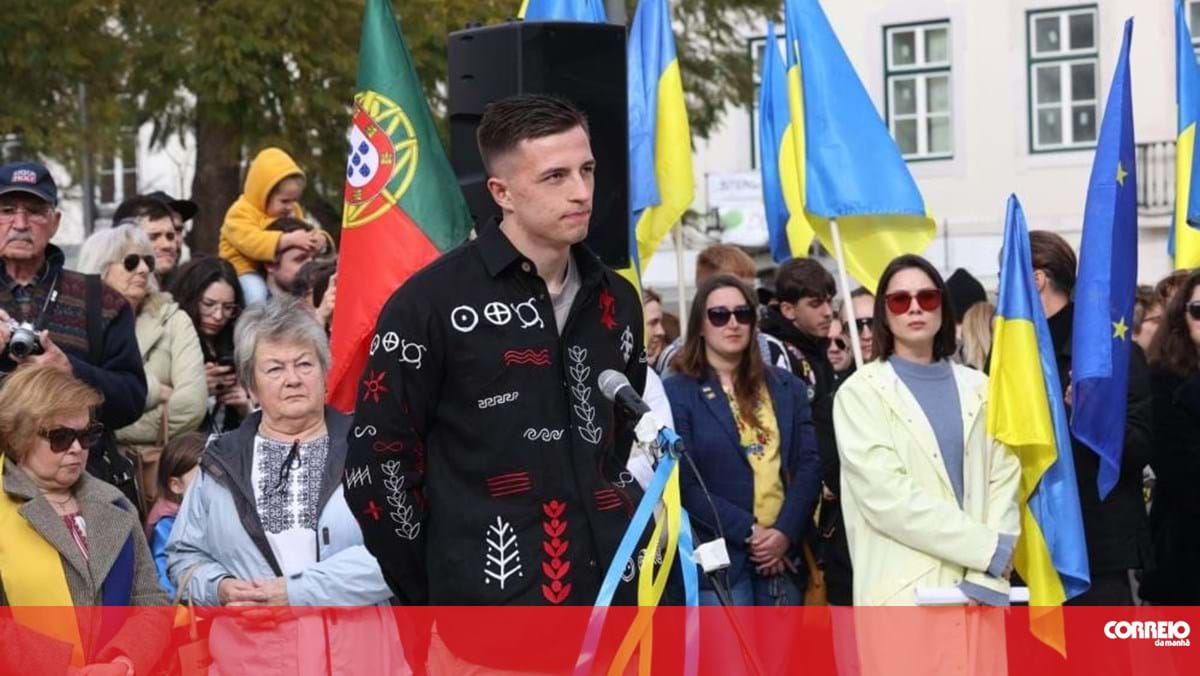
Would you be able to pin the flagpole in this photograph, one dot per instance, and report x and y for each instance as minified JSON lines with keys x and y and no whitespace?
{"x":677,"y":235}
{"x":844,"y":282}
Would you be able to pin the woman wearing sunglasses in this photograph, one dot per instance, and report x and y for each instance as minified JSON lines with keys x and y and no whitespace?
{"x":1175,"y":381}
{"x":930,"y":501}
{"x":748,"y":429}
{"x":175,"y":387}
{"x":67,"y":539}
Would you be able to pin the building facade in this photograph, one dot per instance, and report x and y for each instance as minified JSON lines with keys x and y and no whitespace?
{"x":988,"y":98}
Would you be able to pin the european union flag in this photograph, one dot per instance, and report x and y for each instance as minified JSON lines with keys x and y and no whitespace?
{"x":1104,"y":293}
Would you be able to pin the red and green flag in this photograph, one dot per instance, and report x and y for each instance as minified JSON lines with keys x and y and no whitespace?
{"x":403,"y":207}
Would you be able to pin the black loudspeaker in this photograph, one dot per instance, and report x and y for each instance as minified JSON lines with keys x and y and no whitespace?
{"x":581,"y":62}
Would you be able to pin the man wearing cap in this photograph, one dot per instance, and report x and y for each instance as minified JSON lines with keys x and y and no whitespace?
{"x":161,"y":217}
{"x":83,"y":326}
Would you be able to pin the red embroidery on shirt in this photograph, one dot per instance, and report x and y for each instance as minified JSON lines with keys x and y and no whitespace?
{"x":555,"y":568}
{"x":373,"y":387}
{"x":387,"y":446}
{"x":527,"y":357}
{"x":608,"y":307}
{"x":373,"y":510}
{"x":514,"y":483}
{"x":607,"y":499}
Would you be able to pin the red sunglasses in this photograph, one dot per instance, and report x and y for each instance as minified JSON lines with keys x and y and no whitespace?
{"x":899,"y":302}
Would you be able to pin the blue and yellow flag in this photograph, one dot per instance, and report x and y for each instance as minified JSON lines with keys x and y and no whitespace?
{"x":661,"y":186}
{"x":1027,"y":414}
{"x":849,"y":167}
{"x":1104,"y":292}
{"x":788,"y":230}
{"x":1184,"y":242}
{"x":587,"y":11}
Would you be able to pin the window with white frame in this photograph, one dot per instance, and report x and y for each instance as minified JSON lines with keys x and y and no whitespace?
{"x":116,"y":175}
{"x":917,"y":87}
{"x":1063,"y":79}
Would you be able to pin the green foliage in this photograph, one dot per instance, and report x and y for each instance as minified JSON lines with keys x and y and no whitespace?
{"x":271,"y":72}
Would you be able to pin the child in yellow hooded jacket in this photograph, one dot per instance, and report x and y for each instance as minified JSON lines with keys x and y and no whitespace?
{"x":274,"y":184}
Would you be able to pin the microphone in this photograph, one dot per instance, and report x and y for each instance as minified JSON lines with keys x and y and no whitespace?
{"x":616,"y":388}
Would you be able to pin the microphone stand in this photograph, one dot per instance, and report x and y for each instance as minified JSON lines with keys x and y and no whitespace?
{"x":670,"y":442}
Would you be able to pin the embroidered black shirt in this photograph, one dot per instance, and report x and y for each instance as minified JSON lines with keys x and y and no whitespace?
{"x":485,"y":466}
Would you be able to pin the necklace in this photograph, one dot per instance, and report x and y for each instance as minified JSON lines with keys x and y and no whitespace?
{"x":60,"y":503}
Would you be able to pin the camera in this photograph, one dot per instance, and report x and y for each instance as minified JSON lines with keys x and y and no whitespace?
{"x":24,"y":341}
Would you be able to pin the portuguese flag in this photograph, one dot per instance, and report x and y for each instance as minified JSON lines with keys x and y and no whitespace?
{"x":403,"y":207}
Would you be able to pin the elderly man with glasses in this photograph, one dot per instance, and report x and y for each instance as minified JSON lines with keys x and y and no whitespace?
{"x":61,"y":318}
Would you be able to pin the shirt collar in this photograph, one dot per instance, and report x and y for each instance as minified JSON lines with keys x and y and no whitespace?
{"x":499,"y":254}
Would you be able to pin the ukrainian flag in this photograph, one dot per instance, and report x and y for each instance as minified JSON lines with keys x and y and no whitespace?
{"x":1185,"y":238}
{"x":661,"y":186}
{"x":587,"y":11}
{"x":1027,"y":414}
{"x":781,"y":189}
{"x":849,"y":167}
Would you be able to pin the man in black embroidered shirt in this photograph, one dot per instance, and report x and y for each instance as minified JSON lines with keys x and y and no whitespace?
{"x":485,"y":466}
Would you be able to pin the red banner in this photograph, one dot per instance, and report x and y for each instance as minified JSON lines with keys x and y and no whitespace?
{"x":815,"y":640}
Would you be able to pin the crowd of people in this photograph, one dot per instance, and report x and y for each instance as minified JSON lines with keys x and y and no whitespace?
{"x":165,"y":436}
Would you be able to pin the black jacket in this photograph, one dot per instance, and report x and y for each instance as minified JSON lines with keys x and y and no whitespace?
{"x":1175,"y":513}
{"x":1116,"y":529}
{"x":114,"y":367}
{"x":499,"y":467}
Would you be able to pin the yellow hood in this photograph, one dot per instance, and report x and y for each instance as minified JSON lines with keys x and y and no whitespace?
{"x":269,"y":167}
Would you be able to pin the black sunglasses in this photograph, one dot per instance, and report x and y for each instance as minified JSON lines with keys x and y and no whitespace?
{"x":863,"y":323}
{"x":840,"y":343}
{"x":62,"y":438}
{"x":1193,"y":309}
{"x":719,"y":316}
{"x":131,"y":262}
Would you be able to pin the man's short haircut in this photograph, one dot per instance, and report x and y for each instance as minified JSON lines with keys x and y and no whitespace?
{"x":1052,"y":255}
{"x":511,"y":120}
{"x":803,"y":278}
{"x":141,"y":207}
{"x":651,"y":296}
{"x":724,"y":259}
{"x":861,"y":292}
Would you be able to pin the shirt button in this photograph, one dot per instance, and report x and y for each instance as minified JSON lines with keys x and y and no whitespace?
{"x":541,"y":296}
{"x":592,"y":563}
{"x":526,"y":267}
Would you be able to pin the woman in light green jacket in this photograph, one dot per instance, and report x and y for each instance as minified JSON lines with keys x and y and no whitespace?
{"x":174,"y":364}
{"x":930,"y":500}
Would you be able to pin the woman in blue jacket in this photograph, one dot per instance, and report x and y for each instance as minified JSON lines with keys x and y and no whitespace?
{"x":748,"y":428}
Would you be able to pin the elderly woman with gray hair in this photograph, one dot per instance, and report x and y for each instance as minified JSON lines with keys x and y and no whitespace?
{"x":266,"y":523}
{"x":175,"y":387}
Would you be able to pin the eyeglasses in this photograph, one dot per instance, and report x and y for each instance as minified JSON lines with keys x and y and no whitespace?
{"x":62,"y":438}
{"x":212,"y":307}
{"x":1193,"y":310}
{"x":719,"y":316}
{"x":132,"y":261}
{"x":899,"y":302}
{"x":864,"y":323}
{"x":169,"y":234}
{"x":8,"y":213}
{"x":840,"y":343}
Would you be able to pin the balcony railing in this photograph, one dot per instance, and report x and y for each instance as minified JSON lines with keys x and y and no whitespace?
{"x":1156,"y":178}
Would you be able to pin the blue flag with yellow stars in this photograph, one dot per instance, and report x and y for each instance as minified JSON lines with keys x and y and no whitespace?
{"x":1104,"y":293}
